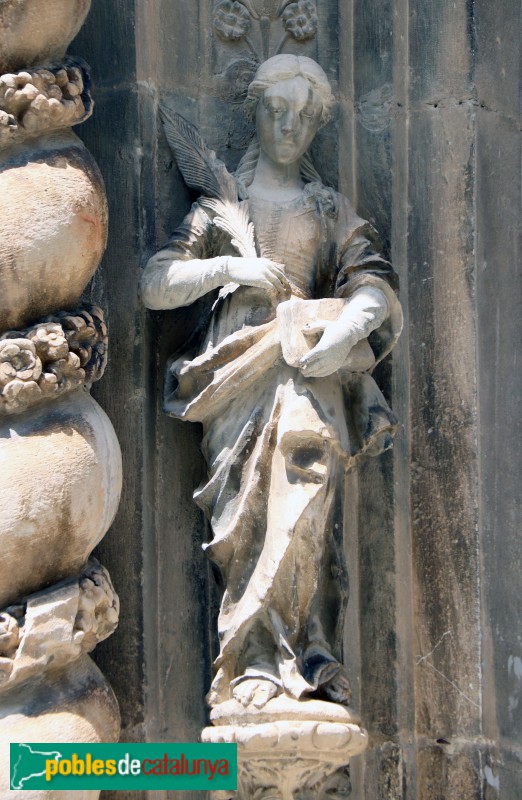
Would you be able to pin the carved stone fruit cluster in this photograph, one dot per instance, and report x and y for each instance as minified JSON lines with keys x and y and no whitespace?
{"x":21,"y":631}
{"x":61,"y":353}
{"x":86,"y":334}
{"x":9,"y":635}
{"x":98,"y":609}
{"x":33,"y":101}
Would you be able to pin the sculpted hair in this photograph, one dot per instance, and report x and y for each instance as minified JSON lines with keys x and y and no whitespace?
{"x":276,"y":69}
{"x":284,"y":68}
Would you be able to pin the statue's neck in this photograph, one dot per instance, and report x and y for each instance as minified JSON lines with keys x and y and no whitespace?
{"x":276,"y":181}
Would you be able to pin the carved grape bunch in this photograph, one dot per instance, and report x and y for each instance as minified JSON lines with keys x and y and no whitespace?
{"x":43,"y":99}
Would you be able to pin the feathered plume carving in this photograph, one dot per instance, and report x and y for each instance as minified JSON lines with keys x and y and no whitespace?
{"x":233,"y":219}
{"x":204,"y":171}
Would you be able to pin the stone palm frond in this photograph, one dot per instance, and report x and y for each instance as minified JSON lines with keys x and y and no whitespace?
{"x":233,"y":219}
{"x":201,"y":168}
{"x":204,"y":171}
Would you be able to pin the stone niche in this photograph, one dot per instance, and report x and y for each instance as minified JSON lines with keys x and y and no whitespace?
{"x":298,"y":306}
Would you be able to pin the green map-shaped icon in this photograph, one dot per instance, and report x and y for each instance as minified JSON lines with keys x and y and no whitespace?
{"x":28,"y":763}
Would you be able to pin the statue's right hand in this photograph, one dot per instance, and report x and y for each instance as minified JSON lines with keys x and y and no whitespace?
{"x":260,"y":272}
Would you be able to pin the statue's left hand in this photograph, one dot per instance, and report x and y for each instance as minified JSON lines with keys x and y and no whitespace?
{"x":362,"y":314}
{"x":332,"y":351}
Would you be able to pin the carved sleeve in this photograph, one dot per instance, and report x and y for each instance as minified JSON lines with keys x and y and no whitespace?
{"x":361,"y":265}
{"x":359,"y":255}
{"x":185,"y":269}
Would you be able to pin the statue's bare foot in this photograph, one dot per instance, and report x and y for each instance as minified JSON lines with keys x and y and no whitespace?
{"x":254,"y":691}
{"x":338,"y":690}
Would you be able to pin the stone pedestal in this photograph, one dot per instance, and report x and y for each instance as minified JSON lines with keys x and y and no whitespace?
{"x":289,"y":750}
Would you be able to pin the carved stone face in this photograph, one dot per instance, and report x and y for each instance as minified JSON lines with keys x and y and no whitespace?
{"x":336,"y":786}
{"x":288,"y":117}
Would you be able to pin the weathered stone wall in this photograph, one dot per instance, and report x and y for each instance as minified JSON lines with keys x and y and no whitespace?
{"x":429,"y":149}
{"x":439,"y":609}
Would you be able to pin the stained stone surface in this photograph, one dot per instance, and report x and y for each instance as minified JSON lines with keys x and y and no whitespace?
{"x":74,"y":703}
{"x":60,"y":460}
{"x":64,"y":502}
{"x":38,"y":31}
{"x":48,"y":268}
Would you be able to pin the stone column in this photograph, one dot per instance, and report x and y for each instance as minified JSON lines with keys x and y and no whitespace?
{"x":59,"y":456}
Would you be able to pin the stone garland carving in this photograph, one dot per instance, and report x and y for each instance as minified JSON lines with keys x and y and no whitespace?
{"x":41,"y":99}
{"x":33,"y":634}
{"x":65,"y":351}
{"x":302,"y":306}
{"x":59,"y":458}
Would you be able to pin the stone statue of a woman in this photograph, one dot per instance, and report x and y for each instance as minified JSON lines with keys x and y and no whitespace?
{"x":282,"y":386}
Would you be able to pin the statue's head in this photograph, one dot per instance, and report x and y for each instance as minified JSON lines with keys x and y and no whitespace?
{"x":284,"y":68}
{"x":289,"y":99}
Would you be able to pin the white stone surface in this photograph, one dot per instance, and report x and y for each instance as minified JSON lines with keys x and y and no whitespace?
{"x":286,"y":352}
{"x":72,"y":704}
{"x":34,"y":31}
{"x":62,"y":476}
{"x":51,"y":189}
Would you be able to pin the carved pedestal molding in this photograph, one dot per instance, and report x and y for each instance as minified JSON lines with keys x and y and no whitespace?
{"x":60,"y":461}
{"x":289,"y":750}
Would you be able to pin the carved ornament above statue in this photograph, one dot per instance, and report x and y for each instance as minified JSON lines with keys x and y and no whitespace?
{"x":266,"y":28}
